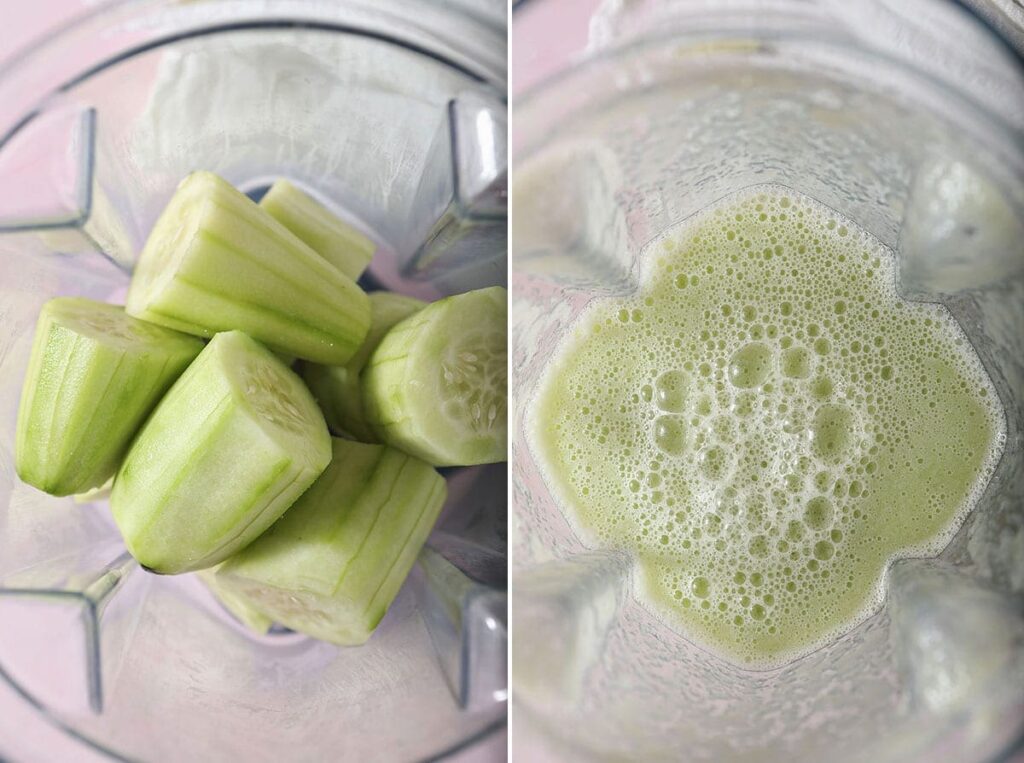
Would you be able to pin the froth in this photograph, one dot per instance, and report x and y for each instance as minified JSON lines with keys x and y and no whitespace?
{"x":766,"y":424}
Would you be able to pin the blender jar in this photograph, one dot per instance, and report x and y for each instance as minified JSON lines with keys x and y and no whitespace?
{"x":905,"y":117}
{"x":391,"y":113}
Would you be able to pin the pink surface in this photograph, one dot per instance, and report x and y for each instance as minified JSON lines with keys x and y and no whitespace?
{"x":547,"y":35}
{"x":23,"y":21}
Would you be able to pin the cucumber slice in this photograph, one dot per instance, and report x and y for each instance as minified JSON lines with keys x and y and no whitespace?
{"x":233,"y":444}
{"x":215,"y":261}
{"x":337,"y":242}
{"x":435,"y":386}
{"x":332,"y":565}
{"x":337,"y":388}
{"x":239,"y":607}
{"x":94,"y":375}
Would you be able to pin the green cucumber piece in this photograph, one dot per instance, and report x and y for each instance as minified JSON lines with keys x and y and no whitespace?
{"x":436,"y":385}
{"x":94,"y":375}
{"x":337,"y":242}
{"x":241,"y":608}
{"x":337,"y":388}
{"x":215,"y":261}
{"x":331,"y":567}
{"x":232,"y":445}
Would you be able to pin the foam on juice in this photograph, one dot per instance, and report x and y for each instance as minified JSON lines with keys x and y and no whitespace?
{"x":766,"y":425}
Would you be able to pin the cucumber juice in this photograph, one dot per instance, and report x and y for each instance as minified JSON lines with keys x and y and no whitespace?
{"x":765,"y":425}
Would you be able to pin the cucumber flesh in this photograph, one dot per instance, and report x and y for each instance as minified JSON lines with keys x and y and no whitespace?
{"x":337,"y":388}
{"x":435,"y":387}
{"x":337,"y":242}
{"x":94,"y":375}
{"x":215,"y":261}
{"x":232,"y":445}
{"x":239,"y":607}
{"x":331,"y":567}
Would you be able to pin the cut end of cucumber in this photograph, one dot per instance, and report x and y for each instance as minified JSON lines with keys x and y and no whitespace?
{"x":170,"y":239}
{"x":436,"y":385}
{"x":473,"y":382}
{"x":263,"y":385}
{"x":111,"y":326}
{"x":277,"y":396}
{"x":321,"y":617}
{"x":241,"y":608}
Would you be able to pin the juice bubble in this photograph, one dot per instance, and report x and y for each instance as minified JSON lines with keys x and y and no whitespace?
{"x":796,"y":363}
{"x":795,"y":530}
{"x":712,"y":524}
{"x":713,"y":463}
{"x":758,"y":547}
{"x":832,"y":432}
{"x":670,"y":391}
{"x":821,"y":388}
{"x":744,"y":404}
{"x":823,"y":550}
{"x":818,"y":514}
{"x":749,"y":365}
{"x":670,"y":435}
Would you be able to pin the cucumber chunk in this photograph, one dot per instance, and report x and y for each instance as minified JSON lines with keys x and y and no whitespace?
{"x":215,"y":261}
{"x":239,"y":607}
{"x":332,"y":565}
{"x":94,"y":375}
{"x":337,"y":242}
{"x":337,"y":388}
{"x":435,"y":386}
{"x":232,"y":445}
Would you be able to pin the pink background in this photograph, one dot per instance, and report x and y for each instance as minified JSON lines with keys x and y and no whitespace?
{"x":22,"y":21}
{"x":545,"y":35}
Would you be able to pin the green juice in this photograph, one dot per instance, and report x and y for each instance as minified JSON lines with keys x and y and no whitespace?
{"x":765,"y":425}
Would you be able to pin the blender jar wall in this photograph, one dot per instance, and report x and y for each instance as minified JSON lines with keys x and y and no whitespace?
{"x":640,"y":138}
{"x":346,"y":99}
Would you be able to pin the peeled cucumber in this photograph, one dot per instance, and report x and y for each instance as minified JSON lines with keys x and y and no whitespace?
{"x":332,"y":565}
{"x":435,"y":385}
{"x":337,"y":242}
{"x":215,"y":261}
{"x":232,"y":445}
{"x":239,"y":607}
{"x":337,"y":388}
{"x":94,"y":375}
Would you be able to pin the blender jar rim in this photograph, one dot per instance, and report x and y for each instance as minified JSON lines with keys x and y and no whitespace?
{"x":766,"y":35}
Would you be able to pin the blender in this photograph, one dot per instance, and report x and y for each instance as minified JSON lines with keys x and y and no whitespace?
{"x":906,"y":117}
{"x":393,"y":115}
